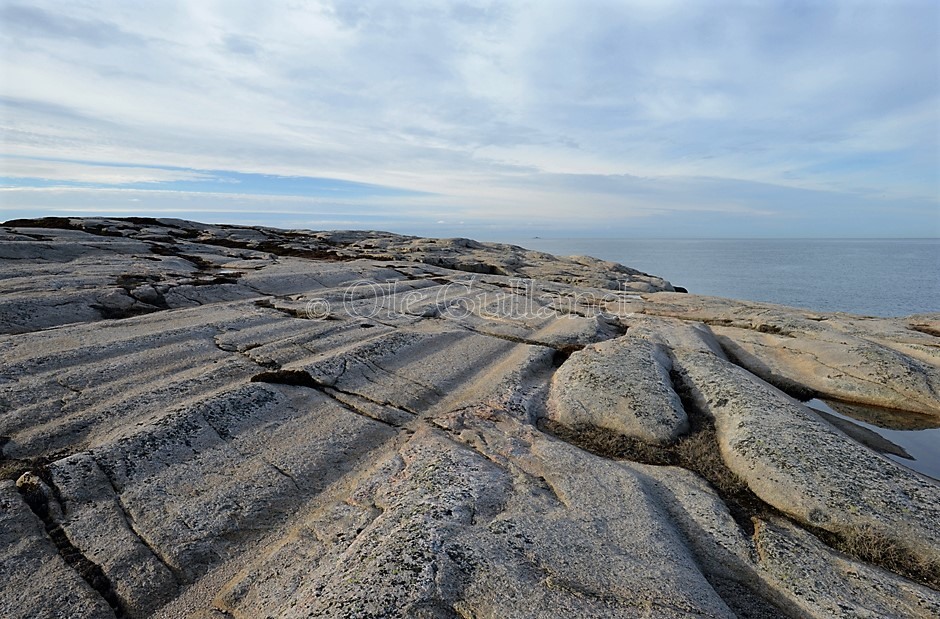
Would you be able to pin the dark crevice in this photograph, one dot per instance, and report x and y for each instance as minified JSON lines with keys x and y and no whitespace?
{"x":244,"y":351}
{"x":146,"y":221}
{"x":620,"y":329}
{"x":699,"y":452}
{"x":408,"y":275}
{"x":563,"y":351}
{"x":203,"y":267}
{"x":747,"y":602}
{"x":296,"y":378}
{"x":280,"y":248}
{"x":153,"y":301}
{"x":294,"y":312}
{"x":118,"y":313}
{"x":283,"y":473}
{"x":206,"y":269}
{"x":214,"y":280}
{"x":559,"y":358}
{"x":198,"y":261}
{"x":752,"y":365}
{"x":332,"y":392}
{"x":137,"y":307}
{"x":302,"y":378}
{"x":129,"y":520}
{"x":13,"y":468}
{"x":62,"y":223}
{"x":130,"y":281}
{"x":926,"y":329}
{"x":473,"y":267}
{"x":38,"y":501}
{"x":36,"y":237}
{"x":760,"y":327}
{"x":165,"y":248}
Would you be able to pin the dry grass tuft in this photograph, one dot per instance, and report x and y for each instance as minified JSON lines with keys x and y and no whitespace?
{"x":12,"y":469}
{"x":867,"y":544}
{"x":697,"y":451}
{"x":602,"y":442}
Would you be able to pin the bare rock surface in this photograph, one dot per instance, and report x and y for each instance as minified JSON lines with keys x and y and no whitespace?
{"x":889,"y":363}
{"x":223,"y":421}
{"x":805,"y":468}
{"x":37,"y":582}
{"x":621,"y":385}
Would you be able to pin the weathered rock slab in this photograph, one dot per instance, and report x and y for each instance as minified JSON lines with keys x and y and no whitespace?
{"x":803,"y":466}
{"x":621,"y":385}
{"x":37,"y":583}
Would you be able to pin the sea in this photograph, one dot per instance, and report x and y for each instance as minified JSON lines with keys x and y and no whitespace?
{"x":871,"y":277}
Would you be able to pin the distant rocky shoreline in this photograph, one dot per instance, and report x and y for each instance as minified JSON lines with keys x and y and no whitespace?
{"x":228,"y":421}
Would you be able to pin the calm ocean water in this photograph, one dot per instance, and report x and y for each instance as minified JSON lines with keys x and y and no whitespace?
{"x":877,"y":277}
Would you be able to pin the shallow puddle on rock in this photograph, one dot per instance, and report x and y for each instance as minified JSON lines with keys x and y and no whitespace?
{"x":917,"y":446}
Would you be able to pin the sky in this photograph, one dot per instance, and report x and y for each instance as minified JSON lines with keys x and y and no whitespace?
{"x":590,"y":118}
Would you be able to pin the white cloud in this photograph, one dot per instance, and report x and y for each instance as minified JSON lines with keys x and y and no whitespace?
{"x":84,"y":173}
{"x":480,"y":101}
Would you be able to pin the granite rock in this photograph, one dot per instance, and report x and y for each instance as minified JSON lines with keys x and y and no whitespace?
{"x":620,"y":385}
{"x":223,"y":421}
